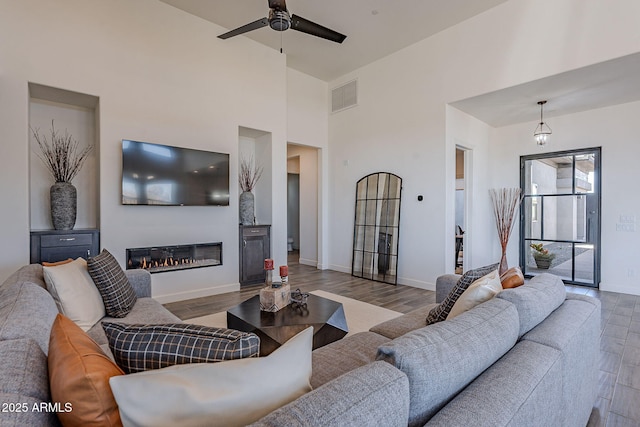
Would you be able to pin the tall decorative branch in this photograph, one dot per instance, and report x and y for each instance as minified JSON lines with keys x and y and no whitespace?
{"x":249,"y":174}
{"x":61,"y":155}
{"x":505,"y":203}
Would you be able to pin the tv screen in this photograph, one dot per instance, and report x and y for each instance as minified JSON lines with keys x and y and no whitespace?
{"x":154,"y":174}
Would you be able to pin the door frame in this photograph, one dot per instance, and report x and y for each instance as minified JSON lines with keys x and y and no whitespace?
{"x":597,"y":190}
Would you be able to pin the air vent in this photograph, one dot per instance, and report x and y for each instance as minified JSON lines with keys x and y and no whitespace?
{"x":345,"y":96}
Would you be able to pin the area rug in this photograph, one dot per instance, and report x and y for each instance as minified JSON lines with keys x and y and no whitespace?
{"x":361,"y":316}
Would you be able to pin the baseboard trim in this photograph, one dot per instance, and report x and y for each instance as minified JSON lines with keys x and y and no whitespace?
{"x":198,"y":293}
{"x":621,"y":289}
{"x":417,"y":283}
{"x":340,"y":268}
{"x":309,"y":262}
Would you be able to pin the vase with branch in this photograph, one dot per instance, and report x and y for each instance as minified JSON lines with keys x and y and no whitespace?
{"x":63,"y":157}
{"x":248,"y":176}
{"x":505,"y":203}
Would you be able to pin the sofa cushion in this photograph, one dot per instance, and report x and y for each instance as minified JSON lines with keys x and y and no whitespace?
{"x":574,"y":330}
{"x":514,"y":392}
{"x":481,"y":290}
{"x":442,"y":359}
{"x":28,"y":273}
{"x":376,"y":394}
{"x":353,"y":351}
{"x":57,"y":263}
{"x":137,"y":348}
{"x":75,"y":293}
{"x":231,"y":393}
{"x":536,"y":299}
{"x":26,"y":311}
{"x":79,"y":375}
{"x":24,"y":369}
{"x":512,"y":278}
{"x":440,"y":312}
{"x":399,"y":326}
{"x":145,"y":310}
{"x":117,"y":293}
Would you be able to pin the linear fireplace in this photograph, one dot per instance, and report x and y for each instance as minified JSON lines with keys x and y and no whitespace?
{"x":158,"y":259}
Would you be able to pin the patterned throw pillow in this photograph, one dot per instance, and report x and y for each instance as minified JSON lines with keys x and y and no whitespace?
{"x":440,"y":312}
{"x":139,"y":348}
{"x":116,"y":291}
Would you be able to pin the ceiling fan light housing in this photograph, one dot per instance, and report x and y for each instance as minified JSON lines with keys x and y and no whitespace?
{"x":279,"y":20}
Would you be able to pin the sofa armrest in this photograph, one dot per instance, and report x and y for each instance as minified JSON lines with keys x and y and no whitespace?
{"x":444,"y":284}
{"x":374,"y":394}
{"x":141,"y":281}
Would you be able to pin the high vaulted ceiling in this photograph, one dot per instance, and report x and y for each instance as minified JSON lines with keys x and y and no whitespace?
{"x":377,"y":28}
{"x":374,"y":28}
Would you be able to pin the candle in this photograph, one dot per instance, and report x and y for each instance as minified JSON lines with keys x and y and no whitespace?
{"x":268,"y":264}
{"x":284,"y":271}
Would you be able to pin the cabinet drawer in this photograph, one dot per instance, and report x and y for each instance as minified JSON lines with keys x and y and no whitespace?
{"x":56,"y":240}
{"x":255,"y":232}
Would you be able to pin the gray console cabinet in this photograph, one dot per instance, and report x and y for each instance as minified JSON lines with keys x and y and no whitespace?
{"x":58,"y":245}
{"x":255,"y":247}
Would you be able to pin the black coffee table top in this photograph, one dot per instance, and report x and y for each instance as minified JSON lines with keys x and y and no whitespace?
{"x":274,"y":329}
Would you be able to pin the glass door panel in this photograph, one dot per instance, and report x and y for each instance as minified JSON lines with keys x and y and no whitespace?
{"x":560,"y":215}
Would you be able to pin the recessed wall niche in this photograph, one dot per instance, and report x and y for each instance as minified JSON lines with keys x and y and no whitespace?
{"x":76,"y":113}
{"x":256,"y":144}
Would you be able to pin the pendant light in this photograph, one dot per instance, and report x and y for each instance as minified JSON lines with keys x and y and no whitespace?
{"x":543,"y":131}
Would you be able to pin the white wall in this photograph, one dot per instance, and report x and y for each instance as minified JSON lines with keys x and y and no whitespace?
{"x":308,"y":127}
{"x":616,"y":130}
{"x":400,"y":123}
{"x":162,"y":76}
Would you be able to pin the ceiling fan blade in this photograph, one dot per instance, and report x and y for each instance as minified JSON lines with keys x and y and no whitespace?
{"x":245,"y":28}
{"x":278,"y":5}
{"x":304,"y":25}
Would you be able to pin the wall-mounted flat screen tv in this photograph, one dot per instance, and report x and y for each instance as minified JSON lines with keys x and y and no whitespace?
{"x":154,"y":174}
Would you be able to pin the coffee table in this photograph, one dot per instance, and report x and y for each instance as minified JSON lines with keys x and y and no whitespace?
{"x":274,"y":329}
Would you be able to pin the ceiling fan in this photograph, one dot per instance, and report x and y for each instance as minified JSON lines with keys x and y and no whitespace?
{"x":280,"y":20}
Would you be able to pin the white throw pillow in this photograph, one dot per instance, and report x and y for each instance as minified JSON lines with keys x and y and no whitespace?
{"x":483,"y":289}
{"x":231,"y":393}
{"x":74,"y":292}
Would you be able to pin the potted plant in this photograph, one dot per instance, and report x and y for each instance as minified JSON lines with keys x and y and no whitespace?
{"x":542,"y":256}
{"x":248,"y":177}
{"x":63,"y":157}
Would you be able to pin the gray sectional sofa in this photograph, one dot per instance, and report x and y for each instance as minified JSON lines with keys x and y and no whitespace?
{"x":526,"y":358}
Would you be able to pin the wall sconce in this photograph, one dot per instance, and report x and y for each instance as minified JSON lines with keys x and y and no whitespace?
{"x":543,"y":131}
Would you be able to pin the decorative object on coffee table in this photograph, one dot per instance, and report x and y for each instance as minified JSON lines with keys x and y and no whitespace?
{"x":299,"y":299}
{"x":268,"y":268}
{"x":284,"y":274}
{"x":505,"y":202}
{"x":64,"y":158}
{"x":542,"y":256}
{"x":248,"y":176}
{"x":275,"y":297}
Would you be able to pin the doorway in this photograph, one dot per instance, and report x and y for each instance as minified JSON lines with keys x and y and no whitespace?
{"x":302,"y":204}
{"x":461,"y":205}
{"x":560,"y":215}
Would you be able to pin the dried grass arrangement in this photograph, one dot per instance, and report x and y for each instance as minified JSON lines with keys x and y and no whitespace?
{"x":249,"y":174}
{"x":505,"y":203}
{"x":61,"y":154}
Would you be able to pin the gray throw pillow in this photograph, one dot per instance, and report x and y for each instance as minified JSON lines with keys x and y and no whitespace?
{"x":137,"y":348}
{"x":114,"y":287}
{"x":441,"y":311}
